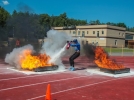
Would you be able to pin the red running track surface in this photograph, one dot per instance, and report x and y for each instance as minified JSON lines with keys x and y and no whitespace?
{"x":76,"y":85}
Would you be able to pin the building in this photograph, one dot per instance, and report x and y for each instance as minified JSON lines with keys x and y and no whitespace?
{"x":129,"y":39}
{"x":101,"y":35}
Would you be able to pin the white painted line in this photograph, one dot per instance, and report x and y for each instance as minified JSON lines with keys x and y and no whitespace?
{"x":75,"y":88}
{"x":97,"y":71}
{"x":6,"y":67}
{"x":30,"y":76}
{"x":42,"y":83}
{"x":7,"y":72}
{"x":20,"y":77}
{"x":3,"y":68}
{"x":78,"y":87}
{"x":27,"y":72}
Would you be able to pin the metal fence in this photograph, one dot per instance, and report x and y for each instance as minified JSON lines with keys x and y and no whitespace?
{"x":120,"y":51}
{"x":112,"y":51}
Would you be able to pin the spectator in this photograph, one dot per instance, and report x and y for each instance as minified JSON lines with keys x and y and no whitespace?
{"x":17,"y":43}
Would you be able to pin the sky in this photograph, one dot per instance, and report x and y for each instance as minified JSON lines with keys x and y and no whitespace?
{"x":103,"y":10}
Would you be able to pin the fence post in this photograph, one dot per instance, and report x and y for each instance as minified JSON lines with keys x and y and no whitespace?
{"x":122,"y":50}
{"x":133,"y":50}
{"x":110,"y":49}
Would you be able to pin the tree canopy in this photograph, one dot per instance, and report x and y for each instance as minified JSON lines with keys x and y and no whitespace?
{"x":33,"y":26}
{"x":3,"y":16}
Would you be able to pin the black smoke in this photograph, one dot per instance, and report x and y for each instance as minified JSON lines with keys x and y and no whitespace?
{"x":89,"y":51}
{"x":24,"y":8}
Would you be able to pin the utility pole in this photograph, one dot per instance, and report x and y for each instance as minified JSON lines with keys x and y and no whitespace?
{"x":13,"y":31}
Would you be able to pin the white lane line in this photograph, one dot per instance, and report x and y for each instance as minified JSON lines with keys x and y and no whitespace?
{"x":75,"y":88}
{"x":31,"y":76}
{"x":42,"y":83}
{"x":7,"y":72}
{"x":19,"y":77}
{"x":3,"y":68}
{"x":27,"y":72}
{"x":6,"y":67}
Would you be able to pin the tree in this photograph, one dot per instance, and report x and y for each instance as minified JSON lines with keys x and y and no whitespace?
{"x":3,"y":16}
{"x":131,"y":29}
{"x":14,"y":13}
{"x":26,"y":25}
{"x":63,"y":19}
{"x":44,"y":19}
{"x":121,"y":25}
{"x":96,"y":22}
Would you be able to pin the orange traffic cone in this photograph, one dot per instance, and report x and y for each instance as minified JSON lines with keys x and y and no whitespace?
{"x":48,"y":93}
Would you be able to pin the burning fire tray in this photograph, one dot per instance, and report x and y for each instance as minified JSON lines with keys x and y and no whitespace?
{"x":119,"y":71}
{"x":46,"y":68}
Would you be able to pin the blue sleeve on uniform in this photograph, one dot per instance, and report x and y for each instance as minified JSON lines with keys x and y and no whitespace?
{"x":73,"y":45}
{"x":77,"y":46}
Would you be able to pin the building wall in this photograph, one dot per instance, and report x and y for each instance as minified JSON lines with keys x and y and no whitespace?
{"x":97,"y":41}
{"x":115,"y":38}
{"x":101,"y":35}
{"x":87,"y":32}
{"x":129,"y":35}
{"x":115,"y":33}
{"x":115,"y":42}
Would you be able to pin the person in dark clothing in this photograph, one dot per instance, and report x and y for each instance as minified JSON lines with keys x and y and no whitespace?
{"x":76,"y":46}
{"x":17,"y":43}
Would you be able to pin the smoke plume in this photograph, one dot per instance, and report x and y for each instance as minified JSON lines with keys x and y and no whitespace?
{"x":89,"y":51}
{"x":54,"y":46}
{"x":24,"y":8}
{"x":14,"y":57}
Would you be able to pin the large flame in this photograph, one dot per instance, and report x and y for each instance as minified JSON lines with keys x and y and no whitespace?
{"x":102,"y":60}
{"x":31,"y":62}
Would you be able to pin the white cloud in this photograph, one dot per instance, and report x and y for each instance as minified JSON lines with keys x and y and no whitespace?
{"x":5,"y":2}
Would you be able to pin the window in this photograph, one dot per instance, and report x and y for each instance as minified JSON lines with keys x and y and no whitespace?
{"x":83,"y":33}
{"x":97,"y":33}
{"x":119,"y":33}
{"x":115,"y":42}
{"x":70,"y":31}
{"x":78,"y":32}
{"x":122,"y":34}
{"x":87,"y":32}
{"x":74,"y":32}
{"x":102,"y":32}
{"x":129,"y":36}
{"x":93,"y":32}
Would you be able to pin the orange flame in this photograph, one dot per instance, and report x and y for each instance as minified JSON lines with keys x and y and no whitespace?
{"x":31,"y":62}
{"x":102,"y":60}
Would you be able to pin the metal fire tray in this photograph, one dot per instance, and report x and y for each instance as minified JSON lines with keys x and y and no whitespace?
{"x":46,"y":68}
{"x":117,"y":71}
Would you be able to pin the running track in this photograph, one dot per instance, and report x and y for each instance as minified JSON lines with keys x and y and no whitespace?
{"x":77,"y":85}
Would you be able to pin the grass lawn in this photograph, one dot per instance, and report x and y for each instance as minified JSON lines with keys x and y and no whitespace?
{"x":117,"y":50}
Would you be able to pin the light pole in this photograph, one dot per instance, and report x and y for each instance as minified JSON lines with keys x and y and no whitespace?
{"x":13,"y":32}
{"x":27,"y":36}
{"x":76,"y":32}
